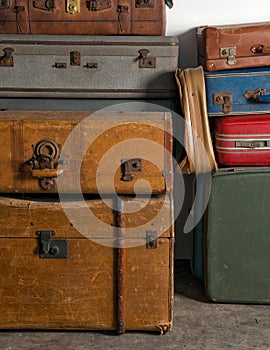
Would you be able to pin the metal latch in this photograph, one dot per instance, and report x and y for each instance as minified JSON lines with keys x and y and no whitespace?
{"x":4,"y":4}
{"x":52,"y":248}
{"x":151,"y":239}
{"x":253,"y":144}
{"x":44,"y":162}
{"x":145,"y":60}
{"x":128,"y":166}
{"x":73,"y":6}
{"x":7,"y":59}
{"x":98,"y":5}
{"x":229,"y":53}
{"x":224,"y":99}
{"x":46,"y":5}
{"x":75,"y":58}
{"x":145,"y":3}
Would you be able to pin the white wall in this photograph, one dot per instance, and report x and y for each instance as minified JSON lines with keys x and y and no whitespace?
{"x":186,"y":15}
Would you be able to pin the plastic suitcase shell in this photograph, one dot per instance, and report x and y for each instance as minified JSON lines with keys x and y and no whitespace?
{"x":64,"y":66}
{"x":234,"y":46}
{"x":103,"y":17}
{"x":236,"y":239}
{"x":237,"y":92}
{"x":243,"y":140}
{"x":73,"y":284}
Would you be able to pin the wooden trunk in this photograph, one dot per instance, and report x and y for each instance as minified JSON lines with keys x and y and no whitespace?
{"x":74,"y":152}
{"x":76,"y":285}
{"x":103,"y":17}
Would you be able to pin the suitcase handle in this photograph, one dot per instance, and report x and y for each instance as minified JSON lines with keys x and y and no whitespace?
{"x":263,"y":98}
{"x":258,"y":95}
{"x":260,"y":49}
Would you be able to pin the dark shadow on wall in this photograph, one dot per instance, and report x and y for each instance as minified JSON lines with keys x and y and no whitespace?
{"x":188,"y":49}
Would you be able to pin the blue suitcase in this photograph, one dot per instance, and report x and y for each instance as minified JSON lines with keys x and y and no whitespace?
{"x":238,"y":91}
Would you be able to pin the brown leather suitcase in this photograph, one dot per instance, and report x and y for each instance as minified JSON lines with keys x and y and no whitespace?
{"x":55,"y":275}
{"x":233,"y":46}
{"x":83,"y":152}
{"x":94,"y":17}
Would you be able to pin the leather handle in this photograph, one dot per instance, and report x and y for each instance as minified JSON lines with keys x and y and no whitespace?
{"x":258,"y":95}
{"x":263,"y":98}
{"x":260,"y":49}
{"x":46,"y":173}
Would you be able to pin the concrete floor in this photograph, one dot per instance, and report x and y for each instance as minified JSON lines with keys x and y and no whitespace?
{"x":198,"y":324}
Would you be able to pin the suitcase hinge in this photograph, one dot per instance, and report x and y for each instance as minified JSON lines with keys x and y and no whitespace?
{"x":46,"y":5}
{"x":224,"y":99}
{"x":128,"y":166}
{"x":72,"y":6}
{"x":123,"y":18}
{"x":99,"y":5}
{"x":7,"y":59}
{"x":52,"y":248}
{"x":44,"y":162}
{"x":229,"y":53}
{"x":151,"y":239}
{"x":145,"y":60}
{"x":4,"y":4}
{"x":145,"y":3}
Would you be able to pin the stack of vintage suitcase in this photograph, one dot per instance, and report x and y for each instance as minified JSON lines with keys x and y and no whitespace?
{"x":236,"y":240}
{"x":86,"y":222}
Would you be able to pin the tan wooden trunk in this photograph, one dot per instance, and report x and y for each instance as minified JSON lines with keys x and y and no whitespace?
{"x":85,"y":152}
{"x":80,"y":290}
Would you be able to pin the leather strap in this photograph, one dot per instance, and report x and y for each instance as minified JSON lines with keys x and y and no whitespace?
{"x":22,"y":17}
{"x":200,"y":157}
{"x":124,"y":16}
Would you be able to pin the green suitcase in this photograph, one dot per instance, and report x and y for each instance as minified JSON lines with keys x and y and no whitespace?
{"x":237,"y":237}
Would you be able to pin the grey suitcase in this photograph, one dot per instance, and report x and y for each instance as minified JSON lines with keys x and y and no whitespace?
{"x":62,"y":66}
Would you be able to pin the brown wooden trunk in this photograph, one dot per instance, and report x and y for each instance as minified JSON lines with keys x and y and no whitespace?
{"x":101,"y":17}
{"x":234,"y":46}
{"x":80,"y":290}
{"x":85,"y":152}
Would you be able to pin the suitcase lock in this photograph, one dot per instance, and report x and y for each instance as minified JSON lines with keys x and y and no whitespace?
{"x":224,"y":99}
{"x":44,"y":162}
{"x":229,"y":53}
{"x":128,"y":166}
{"x":145,"y":60}
{"x":73,"y":6}
{"x":52,"y":248}
{"x":7,"y":59}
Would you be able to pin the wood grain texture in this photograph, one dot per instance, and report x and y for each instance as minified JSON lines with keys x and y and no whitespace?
{"x":93,"y":153}
{"x":79,"y":292}
{"x":22,"y":218}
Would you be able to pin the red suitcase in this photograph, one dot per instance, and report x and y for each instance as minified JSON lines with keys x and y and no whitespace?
{"x":243,"y":140}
